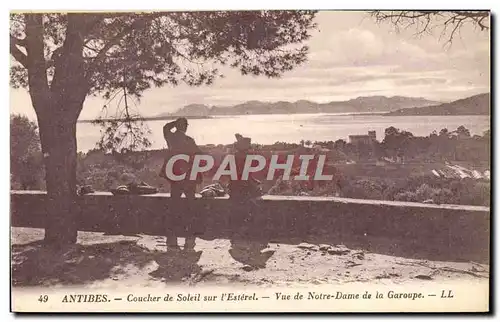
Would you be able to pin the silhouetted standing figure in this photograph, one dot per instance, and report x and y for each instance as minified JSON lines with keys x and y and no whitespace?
{"x":180,"y":143}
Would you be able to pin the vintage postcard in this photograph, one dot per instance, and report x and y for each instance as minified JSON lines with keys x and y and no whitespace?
{"x":250,"y":161}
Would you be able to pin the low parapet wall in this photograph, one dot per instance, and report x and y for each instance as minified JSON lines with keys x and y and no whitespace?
{"x":445,"y":229}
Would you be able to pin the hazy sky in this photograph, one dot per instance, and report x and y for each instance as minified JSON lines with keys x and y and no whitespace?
{"x":350,"y":56}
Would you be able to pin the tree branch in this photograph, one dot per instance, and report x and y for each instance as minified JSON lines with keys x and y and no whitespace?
{"x":126,"y":30}
{"x":21,"y":57}
{"x":18,"y":41}
{"x":36,"y":64}
{"x":454,"y":20}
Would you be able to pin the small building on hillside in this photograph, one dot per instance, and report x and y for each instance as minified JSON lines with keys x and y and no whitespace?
{"x":363,"y":138}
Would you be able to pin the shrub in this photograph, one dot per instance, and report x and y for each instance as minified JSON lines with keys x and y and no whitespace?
{"x":26,"y":160}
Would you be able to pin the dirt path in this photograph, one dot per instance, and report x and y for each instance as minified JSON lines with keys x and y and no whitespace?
{"x":100,"y":260}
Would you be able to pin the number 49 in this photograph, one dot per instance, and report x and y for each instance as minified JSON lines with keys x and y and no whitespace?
{"x":43,"y":298}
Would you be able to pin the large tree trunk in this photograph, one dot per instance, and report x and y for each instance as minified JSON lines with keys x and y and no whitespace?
{"x":58,"y":138}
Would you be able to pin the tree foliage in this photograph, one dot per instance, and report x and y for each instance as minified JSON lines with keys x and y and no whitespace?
{"x":140,"y":50}
{"x":125,"y":130}
{"x":25,"y":153}
{"x":396,"y":139}
{"x":462,"y":131}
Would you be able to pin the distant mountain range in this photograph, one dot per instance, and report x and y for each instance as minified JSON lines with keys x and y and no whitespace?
{"x":366,"y":104}
{"x":474,"y":105}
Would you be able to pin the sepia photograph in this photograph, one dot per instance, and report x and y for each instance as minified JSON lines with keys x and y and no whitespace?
{"x":250,"y":161}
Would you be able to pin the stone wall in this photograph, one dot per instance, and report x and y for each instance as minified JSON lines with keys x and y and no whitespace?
{"x":444,"y":230}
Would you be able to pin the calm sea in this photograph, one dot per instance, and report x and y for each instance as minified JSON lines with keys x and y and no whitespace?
{"x":268,"y":129}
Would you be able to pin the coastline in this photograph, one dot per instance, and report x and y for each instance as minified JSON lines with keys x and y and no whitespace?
{"x":153,"y":118}
{"x":173,"y":117}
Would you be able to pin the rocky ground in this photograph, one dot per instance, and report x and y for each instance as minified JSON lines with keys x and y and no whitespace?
{"x":100,"y":260}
